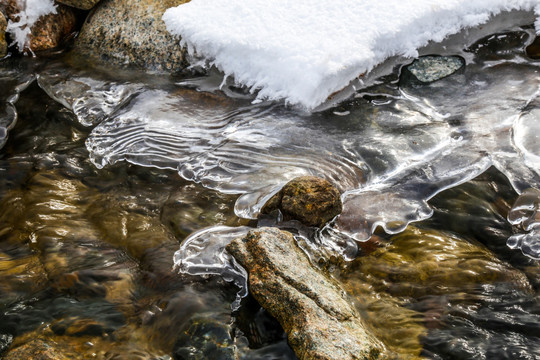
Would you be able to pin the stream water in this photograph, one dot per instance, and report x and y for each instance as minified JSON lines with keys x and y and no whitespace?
{"x":109,"y":178}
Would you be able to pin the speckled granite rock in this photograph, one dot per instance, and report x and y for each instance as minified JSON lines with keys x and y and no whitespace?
{"x":432,"y":68}
{"x":312,"y":308}
{"x":79,"y":4}
{"x":125,"y":32}
{"x":51,"y":30}
{"x":308,"y":199}
{"x":3,"y":44}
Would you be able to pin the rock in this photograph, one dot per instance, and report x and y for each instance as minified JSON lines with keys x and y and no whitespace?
{"x":37,"y":349}
{"x":79,"y":4}
{"x":205,"y":338}
{"x":432,"y":68}
{"x":50,"y":31}
{"x":3,"y":44}
{"x":312,"y":308}
{"x":308,"y":199}
{"x":125,"y":32}
{"x":533,"y":50}
{"x":421,"y":262}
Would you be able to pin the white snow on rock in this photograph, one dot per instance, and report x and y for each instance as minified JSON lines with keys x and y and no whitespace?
{"x":302,"y":51}
{"x":31,"y":11}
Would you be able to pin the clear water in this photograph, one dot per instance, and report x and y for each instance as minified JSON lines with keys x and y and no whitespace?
{"x":109,"y":178}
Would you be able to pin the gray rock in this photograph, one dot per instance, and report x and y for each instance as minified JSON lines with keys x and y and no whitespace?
{"x":125,"y":32}
{"x":79,"y":4}
{"x":312,"y":308}
{"x":432,"y":68}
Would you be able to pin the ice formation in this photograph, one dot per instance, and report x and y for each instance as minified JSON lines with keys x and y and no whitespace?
{"x":31,"y":11}
{"x":303,"y":51}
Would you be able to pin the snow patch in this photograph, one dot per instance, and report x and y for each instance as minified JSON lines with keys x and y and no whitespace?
{"x":302,"y":51}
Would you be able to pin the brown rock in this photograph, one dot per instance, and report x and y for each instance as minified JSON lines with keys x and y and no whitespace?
{"x":79,"y":4}
{"x":319,"y":320}
{"x":36,"y":349}
{"x":126,"y":32}
{"x":51,"y":30}
{"x":309,"y":199}
{"x":3,"y":44}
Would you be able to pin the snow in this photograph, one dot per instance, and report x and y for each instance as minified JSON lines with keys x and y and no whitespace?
{"x":302,"y":51}
{"x":31,"y":11}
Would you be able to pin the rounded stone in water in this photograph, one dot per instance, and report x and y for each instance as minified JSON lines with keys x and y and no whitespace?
{"x":432,"y":68}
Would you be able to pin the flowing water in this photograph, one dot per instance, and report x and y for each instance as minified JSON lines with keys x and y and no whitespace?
{"x":110,"y":177}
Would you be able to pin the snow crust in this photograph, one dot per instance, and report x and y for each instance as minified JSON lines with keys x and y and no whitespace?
{"x":302,"y":51}
{"x":31,"y":11}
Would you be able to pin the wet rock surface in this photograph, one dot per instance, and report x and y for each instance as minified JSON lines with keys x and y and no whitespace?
{"x":50,"y":31}
{"x":312,"y":308}
{"x":425,"y":280}
{"x":79,"y":4}
{"x":432,"y":68}
{"x":124,"y":32}
{"x":3,"y":43}
{"x":311,"y":200}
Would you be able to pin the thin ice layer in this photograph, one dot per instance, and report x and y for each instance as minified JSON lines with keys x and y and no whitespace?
{"x":303,"y":51}
{"x":388,"y":159}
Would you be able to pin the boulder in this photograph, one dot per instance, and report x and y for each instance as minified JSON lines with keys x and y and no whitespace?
{"x":79,"y":4}
{"x":311,"y":200}
{"x":312,"y":308}
{"x":3,"y":44}
{"x":125,"y":32}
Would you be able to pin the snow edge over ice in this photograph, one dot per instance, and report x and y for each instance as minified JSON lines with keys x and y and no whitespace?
{"x":303,"y":51}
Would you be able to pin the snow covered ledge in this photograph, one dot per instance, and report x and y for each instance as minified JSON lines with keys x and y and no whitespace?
{"x":302,"y":51}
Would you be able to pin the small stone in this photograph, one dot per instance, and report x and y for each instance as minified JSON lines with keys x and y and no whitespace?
{"x":432,"y":68}
{"x":308,"y":199}
{"x":3,"y":44}
{"x":205,"y":338}
{"x":319,"y":320}
{"x":79,"y":4}
{"x":51,"y":30}
{"x":125,"y":32}
{"x":533,"y":50}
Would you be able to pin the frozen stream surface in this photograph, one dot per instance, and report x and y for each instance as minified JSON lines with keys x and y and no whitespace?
{"x":402,"y":152}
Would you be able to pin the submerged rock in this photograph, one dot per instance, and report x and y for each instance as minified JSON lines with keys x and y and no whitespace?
{"x":127,"y":32}
{"x":37,"y":349}
{"x":312,"y":308}
{"x":79,"y":4}
{"x":308,"y":199}
{"x":3,"y":44}
{"x":533,"y":50}
{"x":432,"y":68}
{"x":205,"y":338}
